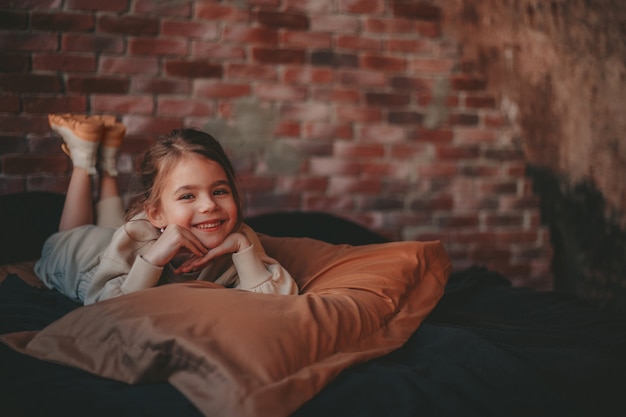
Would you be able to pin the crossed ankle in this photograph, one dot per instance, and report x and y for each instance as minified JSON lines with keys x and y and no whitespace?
{"x":90,"y":140}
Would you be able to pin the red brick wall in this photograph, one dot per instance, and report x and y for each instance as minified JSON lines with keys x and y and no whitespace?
{"x":376,"y":116}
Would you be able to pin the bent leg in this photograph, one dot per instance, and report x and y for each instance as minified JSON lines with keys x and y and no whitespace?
{"x":78,"y":206}
{"x":110,"y":208}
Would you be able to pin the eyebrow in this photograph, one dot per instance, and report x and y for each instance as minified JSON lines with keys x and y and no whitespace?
{"x":194,"y":187}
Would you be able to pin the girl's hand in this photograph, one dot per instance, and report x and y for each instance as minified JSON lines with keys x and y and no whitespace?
{"x":174,"y":239}
{"x":235,"y":242}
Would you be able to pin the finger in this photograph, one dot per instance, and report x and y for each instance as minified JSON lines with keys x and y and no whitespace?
{"x":193,"y":263}
{"x":192,"y":243}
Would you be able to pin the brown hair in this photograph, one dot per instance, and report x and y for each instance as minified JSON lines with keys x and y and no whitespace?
{"x":158,"y":161}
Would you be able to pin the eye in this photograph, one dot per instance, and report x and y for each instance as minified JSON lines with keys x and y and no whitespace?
{"x":221,"y":191}
{"x":186,"y":197}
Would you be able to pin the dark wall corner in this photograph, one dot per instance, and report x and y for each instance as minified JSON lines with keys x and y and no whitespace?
{"x":589,"y":244}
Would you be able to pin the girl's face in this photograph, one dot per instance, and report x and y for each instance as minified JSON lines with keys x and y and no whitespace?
{"x":196,"y":195}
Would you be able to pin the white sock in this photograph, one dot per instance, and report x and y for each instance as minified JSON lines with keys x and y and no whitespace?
{"x":83,"y":152}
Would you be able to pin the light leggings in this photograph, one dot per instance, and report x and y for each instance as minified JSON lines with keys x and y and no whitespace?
{"x":70,"y":258}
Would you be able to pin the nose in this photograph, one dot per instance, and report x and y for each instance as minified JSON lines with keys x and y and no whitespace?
{"x":207,"y":204}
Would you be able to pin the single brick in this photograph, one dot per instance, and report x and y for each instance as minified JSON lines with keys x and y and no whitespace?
{"x":307,"y":75}
{"x":401,"y":82}
{"x":327,"y":131}
{"x":358,"y":114}
{"x":65,"y":62}
{"x":92,"y":43}
{"x":430,"y":203}
{"x":10,"y":103}
{"x":339,"y":204}
{"x":330,"y":167}
{"x":361,"y":78}
{"x":215,"y":89}
{"x":383,"y":63}
{"x":431,"y":65}
{"x":334,"y":59}
{"x":279,"y":55}
{"x":163,"y":8}
{"x":128,"y":25}
{"x":54,"y":104}
{"x":416,"y":10}
{"x":294,"y":21}
{"x":31,"y":83}
{"x":387,"y":99}
{"x":504,"y":154}
{"x":434,"y":135}
{"x":281,"y":92}
{"x":251,"y":72}
{"x":19,"y":41}
{"x":189,"y":29}
{"x":475,"y":135}
{"x":13,"y":20}
{"x":310,"y":112}
{"x":337,"y":95}
{"x":95,"y":84}
{"x":192,"y":69}
{"x":11,"y":185}
{"x":54,"y":184}
{"x":467,"y":83}
{"x":149,"y":126}
{"x":255,"y":35}
{"x":212,"y":11}
{"x":24,"y":122}
{"x":405,"y":117}
{"x":454,"y":152}
{"x":480,"y":102}
{"x":33,"y":164}
{"x":457,"y":221}
{"x":359,"y":43}
{"x":409,"y":46}
{"x":129,"y":65}
{"x":388,"y":25}
{"x":438,"y":169}
{"x":306,"y":39}
{"x":366,"y":7}
{"x":330,"y":23}
{"x":98,"y":5}
{"x":217,"y":50}
{"x":301,"y":185}
{"x":160,"y":85}
{"x":148,"y":46}
{"x":347,"y":185}
{"x":410,"y":151}
{"x":357,"y":151}
{"x":14,"y":62}
{"x":463,"y":119}
{"x":286,"y":201}
{"x":63,"y":22}
{"x":383,"y":134}
{"x":184,"y":107}
{"x":12,"y":144}
{"x":122,"y":104}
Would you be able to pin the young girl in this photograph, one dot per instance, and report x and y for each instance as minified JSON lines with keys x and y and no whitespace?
{"x":183,"y":223}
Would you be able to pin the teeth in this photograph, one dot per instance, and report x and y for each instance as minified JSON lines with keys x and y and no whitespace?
{"x":208,"y":225}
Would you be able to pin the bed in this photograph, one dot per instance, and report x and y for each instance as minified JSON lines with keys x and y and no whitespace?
{"x":460,"y":344}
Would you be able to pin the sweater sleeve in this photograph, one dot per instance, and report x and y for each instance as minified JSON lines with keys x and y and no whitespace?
{"x":262,"y":274}
{"x":122,"y":269}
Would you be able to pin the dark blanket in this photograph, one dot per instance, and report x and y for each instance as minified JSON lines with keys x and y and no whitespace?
{"x":486,"y":350}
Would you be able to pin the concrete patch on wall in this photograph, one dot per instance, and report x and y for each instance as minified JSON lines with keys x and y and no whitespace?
{"x":249,"y":140}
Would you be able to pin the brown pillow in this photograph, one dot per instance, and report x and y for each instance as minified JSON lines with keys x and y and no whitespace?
{"x":237,"y":353}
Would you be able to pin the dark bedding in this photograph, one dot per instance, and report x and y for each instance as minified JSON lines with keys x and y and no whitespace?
{"x":487,"y":349}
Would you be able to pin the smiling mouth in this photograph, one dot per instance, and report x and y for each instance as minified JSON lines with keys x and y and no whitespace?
{"x":211,"y":225}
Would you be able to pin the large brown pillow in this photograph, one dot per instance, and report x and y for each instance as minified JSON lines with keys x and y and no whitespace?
{"x":235,"y":353}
